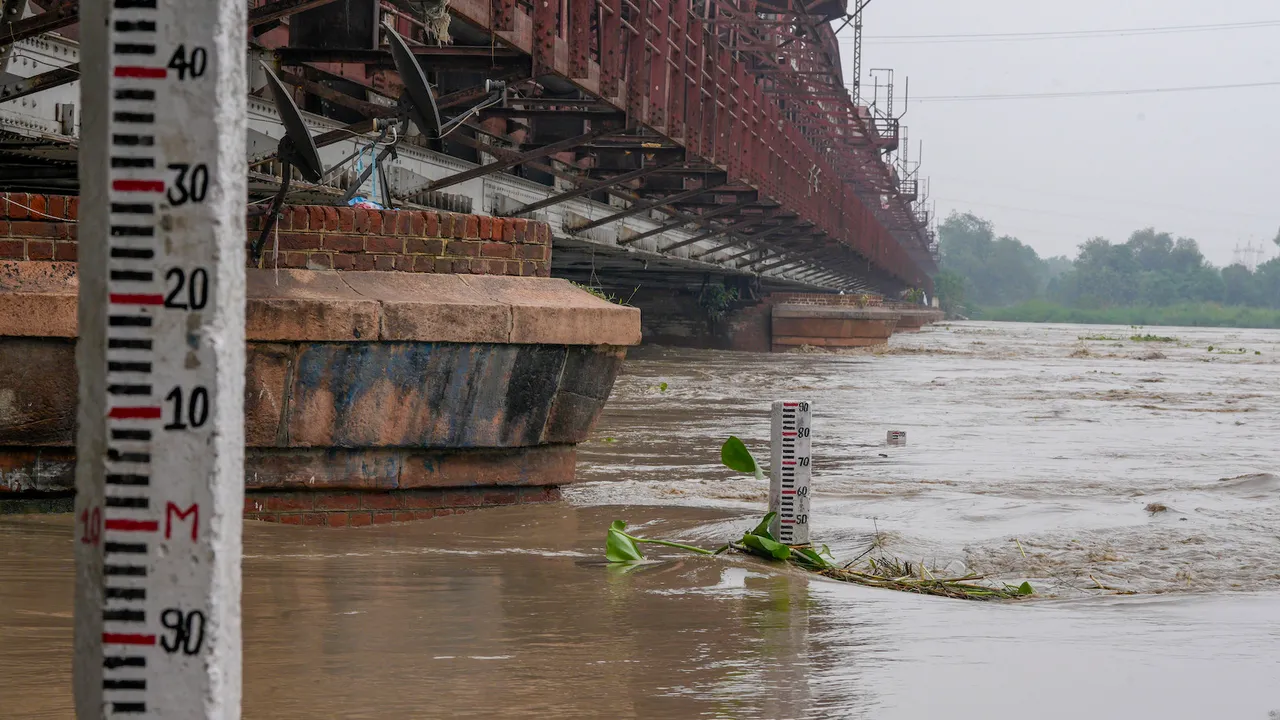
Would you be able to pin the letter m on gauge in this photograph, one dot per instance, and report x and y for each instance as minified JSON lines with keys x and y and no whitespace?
{"x":173,"y":515}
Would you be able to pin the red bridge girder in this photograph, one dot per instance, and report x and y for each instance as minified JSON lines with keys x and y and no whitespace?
{"x":741,"y":100}
{"x":674,"y":73}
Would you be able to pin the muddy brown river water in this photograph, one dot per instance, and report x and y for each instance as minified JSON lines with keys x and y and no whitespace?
{"x":1135,"y":484}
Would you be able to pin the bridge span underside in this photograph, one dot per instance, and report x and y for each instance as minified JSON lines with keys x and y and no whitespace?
{"x":665,"y":141}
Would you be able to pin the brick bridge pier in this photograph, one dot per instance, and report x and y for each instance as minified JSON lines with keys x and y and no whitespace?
{"x":401,"y":364}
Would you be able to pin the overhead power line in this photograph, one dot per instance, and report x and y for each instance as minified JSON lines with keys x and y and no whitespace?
{"x":1092,"y":93}
{"x":1063,"y":34}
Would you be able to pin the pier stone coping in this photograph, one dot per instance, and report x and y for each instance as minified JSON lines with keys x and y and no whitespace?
{"x":38,"y":299}
{"x":306,"y":305}
{"x":441,"y":307}
{"x":830,"y":311}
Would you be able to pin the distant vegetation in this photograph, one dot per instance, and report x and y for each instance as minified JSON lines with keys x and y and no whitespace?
{"x":1183,"y":315}
{"x":1151,"y":279}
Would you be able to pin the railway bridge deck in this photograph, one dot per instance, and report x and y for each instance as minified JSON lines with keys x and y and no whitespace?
{"x":663,"y":142}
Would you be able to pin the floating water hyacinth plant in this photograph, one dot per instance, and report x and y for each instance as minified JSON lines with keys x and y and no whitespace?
{"x":882,"y":571}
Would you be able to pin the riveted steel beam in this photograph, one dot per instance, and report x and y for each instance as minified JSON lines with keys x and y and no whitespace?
{"x":519,"y":158}
{"x":279,"y":9}
{"x":641,"y":207}
{"x":754,"y":237}
{"x":706,"y":216}
{"x":59,"y":16}
{"x":38,"y":83}
{"x":564,"y":114}
{"x":589,"y":188}
{"x":451,"y":57}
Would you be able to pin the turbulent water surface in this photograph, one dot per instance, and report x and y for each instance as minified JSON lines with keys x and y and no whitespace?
{"x":1135,"y":484}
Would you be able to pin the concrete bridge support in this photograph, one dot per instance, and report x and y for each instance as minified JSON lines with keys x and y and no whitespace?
{"x":433,"y":372}
{"x":740,"y":317}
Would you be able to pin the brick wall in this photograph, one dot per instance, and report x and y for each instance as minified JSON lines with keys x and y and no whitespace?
{"x":825,"y":299}
{"x":321,"y":237}
{"x":49,"y":233}
{"x":347,"y":238}
{"x":904,"y":305}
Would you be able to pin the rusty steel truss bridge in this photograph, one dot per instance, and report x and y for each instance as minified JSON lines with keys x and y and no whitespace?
{"x":662,"y":139}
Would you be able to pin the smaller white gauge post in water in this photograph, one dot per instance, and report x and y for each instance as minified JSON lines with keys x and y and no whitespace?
{"x":790,"y":472}
{"x":160,"y":449}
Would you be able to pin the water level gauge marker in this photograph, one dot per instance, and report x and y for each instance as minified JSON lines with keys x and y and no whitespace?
{"x":159,"y":476}
{"x":790,"y":472}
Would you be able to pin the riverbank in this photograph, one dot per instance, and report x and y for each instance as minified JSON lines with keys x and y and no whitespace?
{"x":1184,"y":315}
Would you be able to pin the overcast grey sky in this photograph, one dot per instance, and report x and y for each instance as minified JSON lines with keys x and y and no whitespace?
{"x":1054,"y":172}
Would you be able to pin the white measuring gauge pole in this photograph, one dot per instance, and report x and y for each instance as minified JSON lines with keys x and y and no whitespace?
{"x":160,"y":452}
{"x":790,"y":472}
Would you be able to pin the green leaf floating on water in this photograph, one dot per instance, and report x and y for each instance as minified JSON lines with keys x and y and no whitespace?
{"x":766,"y":546}
{"x":622,"y":548}
{"x":809,"y":559}
{"x":763,"y":528}
{"x":735,"y":455}
{"x":761,"y":542}
{"x":883,"y":572}
{"x":619,"y":547}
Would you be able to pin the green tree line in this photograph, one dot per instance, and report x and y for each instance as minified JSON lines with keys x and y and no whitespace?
{"x":1147,"y":279}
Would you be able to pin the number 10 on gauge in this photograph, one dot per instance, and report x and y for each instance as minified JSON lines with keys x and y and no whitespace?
{"x":790,"y":472}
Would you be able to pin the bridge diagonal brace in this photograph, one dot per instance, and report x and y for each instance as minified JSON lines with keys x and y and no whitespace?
{"x":318,"y":73}
{"x":698,"y":220}
{"x":704,"y":217}
{"x":589,"y":188}
{"x":63,"y":14}
{"x":758,"y":240}
{"x":802,"y":257}
{"x":11,"y":10}
{"x":279,"y":9}
{"x":770,"y":250}
{"x":716,"y":232}
{"x":767,"y":249}
{"x":739,"y":239}
{"x":453,"y":99}
{"x":39,"y":83}
{"x":685,"y":218}
{"x":337,"y":97}
{"x":816,"y":273}
{"x":648,"y":205}
{"x":520,"y":158}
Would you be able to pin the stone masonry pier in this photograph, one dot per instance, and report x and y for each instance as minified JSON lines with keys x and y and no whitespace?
{"x":783,"y":321}
{"x":831,"y":326}
{"x":371,"y":395}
